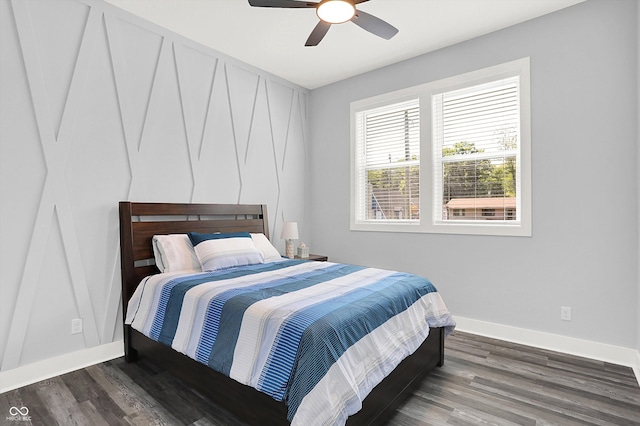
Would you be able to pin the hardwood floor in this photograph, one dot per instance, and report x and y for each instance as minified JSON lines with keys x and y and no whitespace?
{"x":483,"y":382}
{"x":487,"y":381}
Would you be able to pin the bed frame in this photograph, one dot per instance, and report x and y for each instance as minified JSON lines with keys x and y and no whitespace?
{"x":140,"y":221}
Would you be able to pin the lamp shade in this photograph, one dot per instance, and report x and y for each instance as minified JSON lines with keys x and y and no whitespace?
{"x":289,"y":231}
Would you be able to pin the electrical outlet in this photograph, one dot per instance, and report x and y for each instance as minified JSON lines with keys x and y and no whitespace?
{"x":76,"y":326}
{"x":565,"y":313}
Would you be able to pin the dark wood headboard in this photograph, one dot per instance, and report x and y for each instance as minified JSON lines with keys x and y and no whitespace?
{"x":139,"y":222}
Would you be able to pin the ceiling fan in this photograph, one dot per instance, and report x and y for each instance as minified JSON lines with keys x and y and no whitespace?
{"x":334,"y":12}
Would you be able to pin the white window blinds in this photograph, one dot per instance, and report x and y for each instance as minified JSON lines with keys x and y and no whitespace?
{"x":388,"y":162}
{"x":476,"y":133}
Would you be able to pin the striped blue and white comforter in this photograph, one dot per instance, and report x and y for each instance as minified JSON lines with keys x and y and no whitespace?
{"x":317,"y":335}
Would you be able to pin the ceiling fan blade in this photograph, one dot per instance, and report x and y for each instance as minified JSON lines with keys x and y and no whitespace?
{"x":318,"y":33}
{"x":282,"y":3}
{"x":374,"y":25}
{"x":360,"y":1}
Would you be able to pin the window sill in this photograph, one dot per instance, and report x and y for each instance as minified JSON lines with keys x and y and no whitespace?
{"x":491,"y":229}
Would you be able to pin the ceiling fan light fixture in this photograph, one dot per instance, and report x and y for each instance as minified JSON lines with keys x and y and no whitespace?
{"x":336,"y":11}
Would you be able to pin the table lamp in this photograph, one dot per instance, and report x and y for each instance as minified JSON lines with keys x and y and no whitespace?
{"x":289,"y":233}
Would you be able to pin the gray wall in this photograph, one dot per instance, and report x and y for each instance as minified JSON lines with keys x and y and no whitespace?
{"x":584,"y":249}
{"x":98,"y":106}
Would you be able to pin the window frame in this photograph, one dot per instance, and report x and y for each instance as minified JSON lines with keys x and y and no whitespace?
{"x":356,"y":183}
{"x":424,"y":92}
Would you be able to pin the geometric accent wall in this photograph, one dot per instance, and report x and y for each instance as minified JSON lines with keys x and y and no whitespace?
{"x":98,"y":106}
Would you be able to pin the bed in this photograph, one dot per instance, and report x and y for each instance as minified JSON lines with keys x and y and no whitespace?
{"x":279,"y":400}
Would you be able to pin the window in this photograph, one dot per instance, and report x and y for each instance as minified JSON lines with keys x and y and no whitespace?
{"x":476,"y":137}
{"x":451,"y":156}
{"x":389,"y":177}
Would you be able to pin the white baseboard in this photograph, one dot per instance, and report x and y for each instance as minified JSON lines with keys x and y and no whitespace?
{"x":636,"y":368}
{"x":569,"y":345}
{"x":42,"y":370}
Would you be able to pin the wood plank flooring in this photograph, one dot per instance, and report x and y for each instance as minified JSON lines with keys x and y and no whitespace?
{"x":483,"y":382}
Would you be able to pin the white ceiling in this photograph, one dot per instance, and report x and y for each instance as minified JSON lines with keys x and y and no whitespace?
{"x":273,"y":39}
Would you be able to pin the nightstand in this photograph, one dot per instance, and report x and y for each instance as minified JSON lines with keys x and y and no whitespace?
{"x":316,"y":257}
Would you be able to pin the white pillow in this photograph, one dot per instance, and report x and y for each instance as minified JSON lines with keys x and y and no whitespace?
{"x":220,"y":251}
{"x":264,"y":246}
{"x":174,"y":252}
